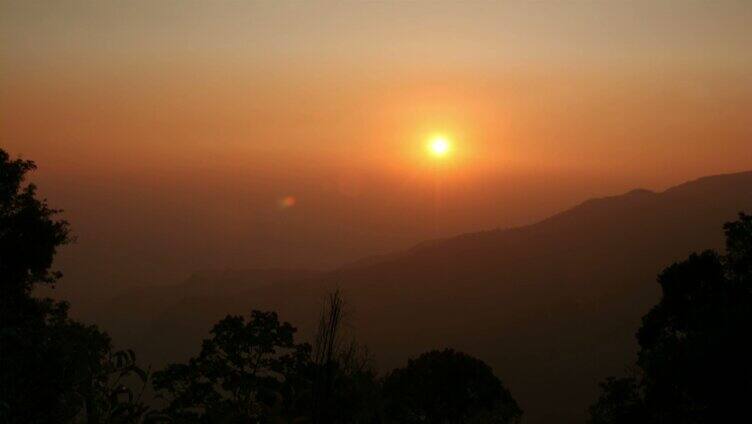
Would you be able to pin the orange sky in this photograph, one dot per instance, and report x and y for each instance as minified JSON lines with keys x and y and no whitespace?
{"x":547,"y":104}
{"x":637,"y":88}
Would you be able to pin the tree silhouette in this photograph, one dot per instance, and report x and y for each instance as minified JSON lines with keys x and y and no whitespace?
{"x":620,"y":403}
{"x":255,"y":372}
{"x":52,"y":369}
{"x":246,"y":372}
{"x":693,"y":363}
{"x":29,"y":233}
{"x":448,"y":387}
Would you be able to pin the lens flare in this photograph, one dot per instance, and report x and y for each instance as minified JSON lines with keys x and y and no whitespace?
{"x":287,"y":202}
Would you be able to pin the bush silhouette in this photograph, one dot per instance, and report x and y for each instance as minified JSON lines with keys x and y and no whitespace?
{"x":447,"y":387}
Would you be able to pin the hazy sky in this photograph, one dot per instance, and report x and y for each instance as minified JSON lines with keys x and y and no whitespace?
{"x":625,"y":87}
{"x":186,"y":123}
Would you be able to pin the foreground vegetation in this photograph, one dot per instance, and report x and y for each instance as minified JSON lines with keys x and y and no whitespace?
{"x":56,"y":370}
{"x":692,"y":366}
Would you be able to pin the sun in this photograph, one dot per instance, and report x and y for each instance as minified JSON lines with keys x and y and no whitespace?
{"x":439,"y":145}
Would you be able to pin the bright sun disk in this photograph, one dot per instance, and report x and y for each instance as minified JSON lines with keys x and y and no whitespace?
{"x":439,"y":145}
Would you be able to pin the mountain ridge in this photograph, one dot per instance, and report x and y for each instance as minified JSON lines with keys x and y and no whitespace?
{"x":638,"y":193}
{"x":551,"y":306}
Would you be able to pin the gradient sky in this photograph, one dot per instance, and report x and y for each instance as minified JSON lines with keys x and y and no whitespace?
{"x":188,"y":123}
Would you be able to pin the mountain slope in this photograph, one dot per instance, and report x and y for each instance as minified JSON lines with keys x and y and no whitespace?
{"x":552,"y":307}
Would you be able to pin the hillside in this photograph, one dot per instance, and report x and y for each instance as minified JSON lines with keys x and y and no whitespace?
{"x":552,"y":307}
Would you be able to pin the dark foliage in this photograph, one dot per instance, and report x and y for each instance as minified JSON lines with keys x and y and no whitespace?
{"x":246,"y":372}
{"x":447,"y":387}
{"x":52,"y":369}
{"x":345,"y":387}
{"x":695,"y":347}
{"x":620,"y":403}
{"x":254,"y":372}
{"x":29,"y":232}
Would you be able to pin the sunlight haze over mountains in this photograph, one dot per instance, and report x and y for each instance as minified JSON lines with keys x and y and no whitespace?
{"x":189,"y":121}
{"x":491,"y":186}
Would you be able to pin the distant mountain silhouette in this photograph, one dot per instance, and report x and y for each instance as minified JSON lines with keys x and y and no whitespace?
{"x":552,"y":307}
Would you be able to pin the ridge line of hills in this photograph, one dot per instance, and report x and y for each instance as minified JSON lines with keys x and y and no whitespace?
{"x":551,"y":306}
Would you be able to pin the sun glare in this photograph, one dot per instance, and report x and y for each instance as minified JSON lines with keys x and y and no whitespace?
{"x":439,"y":146}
